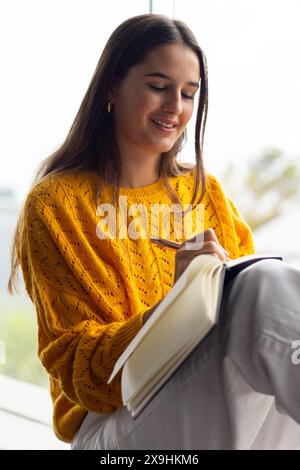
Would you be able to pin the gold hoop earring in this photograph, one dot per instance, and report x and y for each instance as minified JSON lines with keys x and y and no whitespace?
{"x":109,"y":106}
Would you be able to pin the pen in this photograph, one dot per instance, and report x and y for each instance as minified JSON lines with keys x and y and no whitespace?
{"x":172,"y":245}
{"x":166,"y":243}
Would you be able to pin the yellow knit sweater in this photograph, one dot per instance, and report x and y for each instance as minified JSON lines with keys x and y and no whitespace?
{"x":90,"y":293}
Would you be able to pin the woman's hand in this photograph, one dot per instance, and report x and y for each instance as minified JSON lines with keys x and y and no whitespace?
{"x":204,"y":243}
{"x":209,"y":244}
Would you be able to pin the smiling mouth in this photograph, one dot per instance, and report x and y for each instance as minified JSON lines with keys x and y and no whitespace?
{"x":163,"y":128}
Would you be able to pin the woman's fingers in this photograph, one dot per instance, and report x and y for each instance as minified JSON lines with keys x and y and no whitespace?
{"x":211,"y":247}
{"x":198,"y":240}
{"x":203,"y":243}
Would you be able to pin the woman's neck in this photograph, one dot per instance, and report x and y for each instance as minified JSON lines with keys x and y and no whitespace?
{"x":138,"y":174}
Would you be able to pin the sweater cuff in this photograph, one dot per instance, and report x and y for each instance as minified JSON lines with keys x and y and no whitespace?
{"x":128,"y":330}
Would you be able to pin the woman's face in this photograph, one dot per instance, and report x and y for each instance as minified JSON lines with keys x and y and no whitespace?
{"x":142,"y":98}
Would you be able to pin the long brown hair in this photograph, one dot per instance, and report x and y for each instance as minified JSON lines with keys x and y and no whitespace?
{"x":90,"y":143}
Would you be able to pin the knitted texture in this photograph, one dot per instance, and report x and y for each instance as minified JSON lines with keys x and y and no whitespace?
{"x":89,"y":293}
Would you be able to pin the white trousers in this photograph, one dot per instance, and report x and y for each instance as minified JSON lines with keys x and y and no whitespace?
{"x":239,"y":389}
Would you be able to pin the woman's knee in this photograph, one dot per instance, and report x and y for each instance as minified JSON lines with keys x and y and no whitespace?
{"x":252,"y":290}
{"x":262,"y":268}
{"x":262,"y":276}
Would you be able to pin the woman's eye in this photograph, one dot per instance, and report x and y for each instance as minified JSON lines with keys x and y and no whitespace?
{"x":164,"y":88}
{"x":157,"y":87}
{"x":188,"y":96}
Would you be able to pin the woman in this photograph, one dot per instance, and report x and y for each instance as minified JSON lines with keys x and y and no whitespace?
{"x":93,"y":286}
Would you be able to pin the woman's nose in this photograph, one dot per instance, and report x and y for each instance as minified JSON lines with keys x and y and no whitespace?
{"x":173,"y":104}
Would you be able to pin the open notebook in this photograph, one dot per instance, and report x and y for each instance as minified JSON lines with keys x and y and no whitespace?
{"x":175,"y":328}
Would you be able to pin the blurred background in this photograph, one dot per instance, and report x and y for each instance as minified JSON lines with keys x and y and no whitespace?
{"x":49,"y":50}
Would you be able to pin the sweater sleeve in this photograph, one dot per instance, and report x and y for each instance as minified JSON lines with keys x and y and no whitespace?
{"x":243,"y":231}
{"x":80,"y":337}
{"x":235,"y":228}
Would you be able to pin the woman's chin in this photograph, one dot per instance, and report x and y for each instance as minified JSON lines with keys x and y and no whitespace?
{"x":164,"y":147}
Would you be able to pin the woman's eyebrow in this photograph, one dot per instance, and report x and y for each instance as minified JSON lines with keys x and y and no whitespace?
{"x":163,"y":75}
